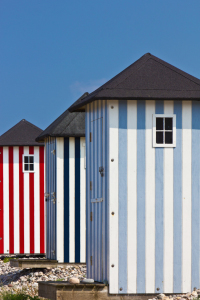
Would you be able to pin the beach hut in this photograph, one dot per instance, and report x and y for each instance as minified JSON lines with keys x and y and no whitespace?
{"x":65,"y":187}
{"x":143,"y":179}
{"x":22,"y":215}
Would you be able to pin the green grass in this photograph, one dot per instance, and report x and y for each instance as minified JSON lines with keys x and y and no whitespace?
{"x":18,"y":296}
{"x":60,"y":279}
{"x":7,"y":259}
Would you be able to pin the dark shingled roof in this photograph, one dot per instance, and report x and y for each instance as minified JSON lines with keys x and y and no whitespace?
{"x":67,"y":125}
{"x":22,"y":134}
{"x":149,"y":78}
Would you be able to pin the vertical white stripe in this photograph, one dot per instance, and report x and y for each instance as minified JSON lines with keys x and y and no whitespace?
{"x":132,"y":195}
{"x":36,"y":200}
{"x":168,"y":210}
{"x":71,"y":199}
{"x":150,"y":199}
{"x":16,"y":198}
{"x":60,"y":198}
{"x":186,"y":200}
{"x":82,"y":202}
{"x":113,"y":194}
{"x":26,"y":209}
{"x":6,"y":199}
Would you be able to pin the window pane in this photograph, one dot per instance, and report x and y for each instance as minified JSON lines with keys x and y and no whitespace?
{"x":25,"y":159}
{"x":168,"y":123}
{"x":31,"y":167}
{"x":168,"y":137}
{"x":31,"y":159}
{"x":26,"y":167}
{"x":159,"y":137}
{"x":159,"y":123}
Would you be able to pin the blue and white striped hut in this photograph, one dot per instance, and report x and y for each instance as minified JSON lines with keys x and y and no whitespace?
{"x":65,"y":187}
{"x":143,"y":179}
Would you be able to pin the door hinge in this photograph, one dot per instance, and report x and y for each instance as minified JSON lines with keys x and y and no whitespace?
{"x":91,"y":260}
{"x":101,"y":169}
{"x":90,"y":136}
{"x":54,"y":197}
{"x":91,"y":216}
{"x":90,"y":185}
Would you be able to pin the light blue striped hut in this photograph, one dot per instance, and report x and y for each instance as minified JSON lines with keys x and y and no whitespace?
{"x":65,"y":187}
{"x":143,"y":179}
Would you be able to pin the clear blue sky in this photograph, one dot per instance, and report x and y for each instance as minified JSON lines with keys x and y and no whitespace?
{"x":52,"y":51}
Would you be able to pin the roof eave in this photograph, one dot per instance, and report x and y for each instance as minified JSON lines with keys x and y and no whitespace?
{"x":79,"y":107}
{"x":42,"y":138}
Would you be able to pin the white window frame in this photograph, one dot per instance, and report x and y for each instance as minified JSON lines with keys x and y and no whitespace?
{"x":25,"y":171}
{"x":173,"y":130}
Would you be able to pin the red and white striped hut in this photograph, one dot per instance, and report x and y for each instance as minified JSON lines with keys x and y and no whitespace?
{"x":22,"y":211}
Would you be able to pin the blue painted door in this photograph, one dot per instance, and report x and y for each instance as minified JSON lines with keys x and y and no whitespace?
{"x":96,"y":198}
{"x":51,"y":198}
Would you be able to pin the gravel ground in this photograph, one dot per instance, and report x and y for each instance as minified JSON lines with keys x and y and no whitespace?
{"x":16,"y":279}
{"x":26,"y":280}
{"x":188,"y":296}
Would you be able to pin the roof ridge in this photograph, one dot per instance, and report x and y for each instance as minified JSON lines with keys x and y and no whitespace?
{"x":175,"y":69}
{"x":16,"y":126}
{"x":166,"y":65}
{"x":31,"y":124}
{"x":75,"y":115}
{"x":134,"y":70}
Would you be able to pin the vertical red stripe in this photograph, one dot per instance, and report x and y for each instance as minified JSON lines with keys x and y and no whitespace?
{"x":42,"y":226}
{"x":31,"y":205}
{"x":11,"y":201}
{"x":1,"y":201}
{"x":21,"y":201}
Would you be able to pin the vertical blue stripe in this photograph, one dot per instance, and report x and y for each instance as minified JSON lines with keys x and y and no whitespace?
{"x":54,"y":207}
{"x":141,"y":197}
{"x":106,"y":191}
{"x":159,"y":188}
{"x":87,"y":145}
{"x":77,"y":200}
{"x":66,"y":200}
{"x":178,"y":199}
{"x":122,"y":196}
{"x":195,"y":192}
{"x":47,"y":191}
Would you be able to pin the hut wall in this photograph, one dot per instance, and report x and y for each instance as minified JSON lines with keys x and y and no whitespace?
{"x":96,"y":191}
{"x":153,"y":228}
{"x":66,"y":218}
{"x":22,"y":215}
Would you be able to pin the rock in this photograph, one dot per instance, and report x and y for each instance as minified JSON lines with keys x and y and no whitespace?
{"x":35,"y":284}
{"x":74,"y":280}
{"x":161,"y":296}
{"x":88,"y":280}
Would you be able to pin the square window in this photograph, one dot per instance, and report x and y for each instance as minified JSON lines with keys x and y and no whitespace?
{"x":159,"y":123}
{"x":164,"y":130}
{"x":168,"y":123}
{"x":168,"y":138}
{"x":159,"y":137}
{"x":28,"y":165}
